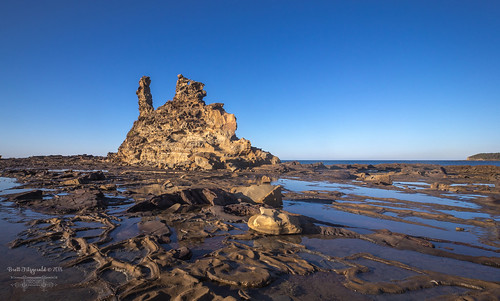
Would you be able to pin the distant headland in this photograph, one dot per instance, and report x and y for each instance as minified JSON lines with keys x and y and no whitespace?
{"x":485,"y":157}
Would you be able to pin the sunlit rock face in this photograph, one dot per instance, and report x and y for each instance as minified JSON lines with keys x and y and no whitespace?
{"x":185,"y":133}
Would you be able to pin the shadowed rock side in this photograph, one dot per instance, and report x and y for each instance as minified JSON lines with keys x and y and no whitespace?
{"x":185,"y":133}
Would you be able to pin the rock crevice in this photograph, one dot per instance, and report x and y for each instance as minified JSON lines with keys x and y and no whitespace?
{"x":185,"y":133}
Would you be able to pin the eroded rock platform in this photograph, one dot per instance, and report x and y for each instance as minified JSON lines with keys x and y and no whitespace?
{"x":146,"y":233}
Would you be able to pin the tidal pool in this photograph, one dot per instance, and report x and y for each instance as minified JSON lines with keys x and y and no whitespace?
{"x":411,"y":185}
{"x":14,"y":262}
{"x":341,"y":247}
{"x":298,"y":186}
{"x":326,"y":213}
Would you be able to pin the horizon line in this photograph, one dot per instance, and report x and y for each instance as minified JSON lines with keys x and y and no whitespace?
{"x":284,"y":159}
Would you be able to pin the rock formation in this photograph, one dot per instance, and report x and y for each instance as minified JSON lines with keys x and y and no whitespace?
{"x":145,"y":97}
{"x":275,"y":222}
{"x":185,"y":133}
{"x":261,"y":194}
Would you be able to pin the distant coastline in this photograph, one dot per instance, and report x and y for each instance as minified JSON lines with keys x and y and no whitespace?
{"x":485,"y":157}
{"x":375,"y":162}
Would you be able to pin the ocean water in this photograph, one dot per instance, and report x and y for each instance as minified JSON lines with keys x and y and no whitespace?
{"x":374,"y":162}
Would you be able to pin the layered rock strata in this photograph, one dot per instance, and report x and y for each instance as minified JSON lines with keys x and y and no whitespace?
{"x":185,"y":133}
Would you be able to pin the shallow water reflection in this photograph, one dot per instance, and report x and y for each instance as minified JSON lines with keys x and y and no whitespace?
{"x":298,"y":186}
{"x":342,"y":247}
{"x":329,"y":214}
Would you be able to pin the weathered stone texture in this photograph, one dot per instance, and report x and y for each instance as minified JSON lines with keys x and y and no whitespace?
{"x":185,"y":133}
{"x":275,"y":222}
{"x":261,"y":194}
{"x":144,"y":95}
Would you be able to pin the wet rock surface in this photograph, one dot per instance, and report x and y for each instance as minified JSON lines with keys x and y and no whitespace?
{"x":142,"y":233}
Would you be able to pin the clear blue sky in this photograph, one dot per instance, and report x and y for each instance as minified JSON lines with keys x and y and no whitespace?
{"x":305,"y":79}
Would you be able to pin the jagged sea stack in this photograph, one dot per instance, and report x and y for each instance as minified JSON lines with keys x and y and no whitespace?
{"x":185,"y":133}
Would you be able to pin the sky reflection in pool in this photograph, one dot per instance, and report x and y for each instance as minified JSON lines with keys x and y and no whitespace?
{"x":297,"y":186}
{"x":326,"y":213}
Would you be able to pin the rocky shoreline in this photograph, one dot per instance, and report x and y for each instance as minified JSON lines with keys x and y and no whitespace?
{"x":145,"y":233}
{"x":185,"y":210}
